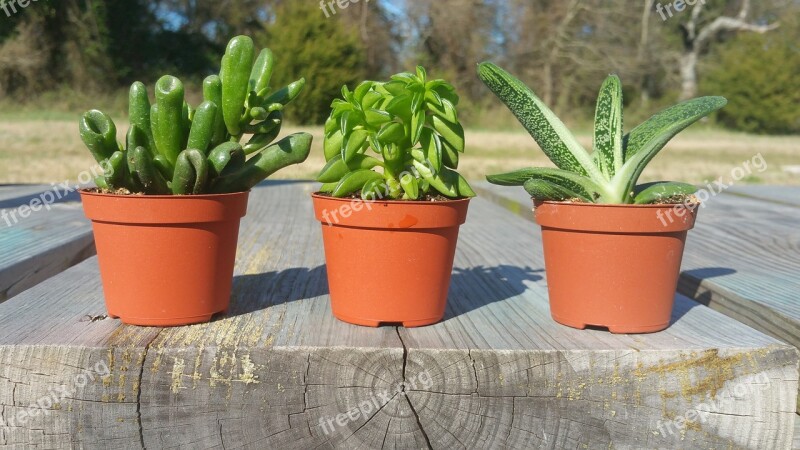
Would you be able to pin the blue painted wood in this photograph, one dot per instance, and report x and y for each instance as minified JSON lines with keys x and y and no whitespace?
{"x":35,"y":245}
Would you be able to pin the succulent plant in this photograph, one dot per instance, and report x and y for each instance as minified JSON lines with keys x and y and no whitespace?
{"x":172,"y":148}
{"x":610,"y":173}
{"x":411,"y":124}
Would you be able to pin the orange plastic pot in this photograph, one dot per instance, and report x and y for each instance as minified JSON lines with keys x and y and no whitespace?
{"x":389,"y":262}
{"x":165,"y":260}
{"x":613,"y":266}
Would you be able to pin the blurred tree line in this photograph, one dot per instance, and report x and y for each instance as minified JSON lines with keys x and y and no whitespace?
{"x":747,"y":51}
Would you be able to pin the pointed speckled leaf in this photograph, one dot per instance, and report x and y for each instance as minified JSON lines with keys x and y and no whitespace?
{"x":572,"y":181}
{"x":608,"y":127}
{"x":646,"y":140}
{"x":549,"y":191}
{"x":557,"y":142}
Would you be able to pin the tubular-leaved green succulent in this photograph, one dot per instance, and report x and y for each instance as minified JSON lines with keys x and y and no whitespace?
{"x":609,"y":174}
{"x":172,"y":148}
{"x":412,"y":124}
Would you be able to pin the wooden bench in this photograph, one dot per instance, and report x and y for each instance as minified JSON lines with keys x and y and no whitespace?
{"x":278,"y":371}
{"x":44,"y":243}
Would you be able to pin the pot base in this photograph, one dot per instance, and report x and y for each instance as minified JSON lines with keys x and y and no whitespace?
{"x":614,"y":329}
{"x":168,"y":322}
{"x":377,"y":323}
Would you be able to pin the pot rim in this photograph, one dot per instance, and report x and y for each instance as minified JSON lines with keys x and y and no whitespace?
{"x":396,"y":202}
{"x":86,"y":191}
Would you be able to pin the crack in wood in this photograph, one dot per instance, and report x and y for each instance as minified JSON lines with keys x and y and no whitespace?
{"x":410,"y":405}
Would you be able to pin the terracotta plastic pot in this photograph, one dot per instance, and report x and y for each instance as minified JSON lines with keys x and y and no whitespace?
{"x":165,"y":260}
{"x":613,"y":266}
{"x":389,"y":262}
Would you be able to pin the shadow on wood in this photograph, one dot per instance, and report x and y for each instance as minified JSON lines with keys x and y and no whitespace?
{"x":478,"y":286}
{"x":691,"y":281}
{"x":260,"y":291}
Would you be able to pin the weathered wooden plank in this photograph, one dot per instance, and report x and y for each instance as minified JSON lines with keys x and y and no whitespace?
{"x":15,"y":195}
{"x":280,"y":372}
{"x":786,"y":195}
{"x":43,"y":244}
{"x":796,"y":443}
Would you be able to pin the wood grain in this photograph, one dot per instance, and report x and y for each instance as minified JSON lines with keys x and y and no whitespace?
{"x":43,"y":244}
{"x":278,"y":371}
{"x":787,"y":195}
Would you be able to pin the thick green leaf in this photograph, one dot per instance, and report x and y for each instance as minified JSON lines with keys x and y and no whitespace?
{"x":544,"y":190}
{"x":608,"y":127}
{"x":452,"y":132}
{"x":665,"y":124}
{"x":417,"y":122}
{"x":356,"y":142}
{"x":336,"y":168}
{"x":332,"y":145}
{"x":585,"y":187}
{"x":662,"y":190}
{"x":646,"y":140}
{"x":410,"y":186}
{"x":354,"y":181}
{"x":431,"y":148}
{"x":557,"y":142}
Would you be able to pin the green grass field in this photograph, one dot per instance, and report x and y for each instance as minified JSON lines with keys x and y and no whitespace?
{"x":45,"y":148}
